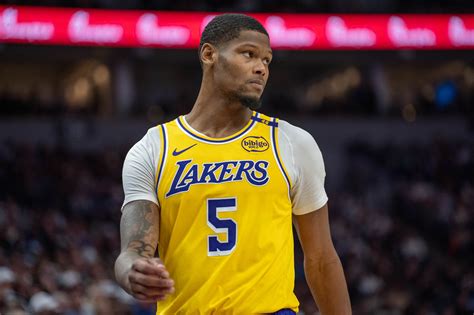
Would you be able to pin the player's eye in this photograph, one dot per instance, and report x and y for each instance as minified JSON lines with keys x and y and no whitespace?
{"x":266,"y":61}
{"x":247,"y":54}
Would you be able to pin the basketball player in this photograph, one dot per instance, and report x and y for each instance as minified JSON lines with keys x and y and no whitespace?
{"x":215,"y":193}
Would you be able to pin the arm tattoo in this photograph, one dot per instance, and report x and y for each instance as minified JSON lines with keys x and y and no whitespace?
{"x":141,"y":248}
{"x":139,"y":228}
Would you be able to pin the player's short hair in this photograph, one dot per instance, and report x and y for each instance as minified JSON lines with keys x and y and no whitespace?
{"x":226,"y":27}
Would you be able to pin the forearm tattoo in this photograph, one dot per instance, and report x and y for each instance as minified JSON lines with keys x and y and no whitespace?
{"x":139,"y":228}
{"x":141,"y":248}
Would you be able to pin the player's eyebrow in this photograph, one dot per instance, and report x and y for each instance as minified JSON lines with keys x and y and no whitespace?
{"x":243,"y":45}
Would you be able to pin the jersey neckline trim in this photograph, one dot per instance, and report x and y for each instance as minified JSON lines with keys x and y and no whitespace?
{"x":186,"y":128}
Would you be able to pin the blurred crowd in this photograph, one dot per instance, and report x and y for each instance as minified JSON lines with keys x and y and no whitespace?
{"x":402,"y":223}
{"x":404,"y":227}
{"x":336,"y":6}
{"x":59,"y":232}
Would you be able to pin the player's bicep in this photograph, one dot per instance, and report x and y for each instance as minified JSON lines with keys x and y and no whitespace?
{"x":139,"y":227}
{"x":139,"y":169}
{"x":314,"y":233}
{"x":308,"y":193}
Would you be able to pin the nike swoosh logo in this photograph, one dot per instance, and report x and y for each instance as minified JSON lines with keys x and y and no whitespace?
{"x":176,"y":153}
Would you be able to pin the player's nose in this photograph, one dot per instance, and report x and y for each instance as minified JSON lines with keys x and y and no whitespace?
{"x":259,"y":68}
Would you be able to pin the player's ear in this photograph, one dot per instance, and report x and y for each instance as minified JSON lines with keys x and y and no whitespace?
{"x":208,"y":54}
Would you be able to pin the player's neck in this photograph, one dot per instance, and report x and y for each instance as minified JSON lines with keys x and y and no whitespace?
{"x":217,"y":117}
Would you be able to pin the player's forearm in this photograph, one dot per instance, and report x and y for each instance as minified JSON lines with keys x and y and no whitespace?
{"x":139,"y":237}
{"x":326,"y":280}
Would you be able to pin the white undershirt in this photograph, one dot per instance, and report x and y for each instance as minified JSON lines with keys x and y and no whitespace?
{"x":299,"y":153}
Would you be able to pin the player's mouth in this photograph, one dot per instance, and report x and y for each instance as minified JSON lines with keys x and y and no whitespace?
{"x":256,"y":83}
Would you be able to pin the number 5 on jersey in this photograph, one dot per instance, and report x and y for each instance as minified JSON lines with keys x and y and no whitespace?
{"x":218,"y":225}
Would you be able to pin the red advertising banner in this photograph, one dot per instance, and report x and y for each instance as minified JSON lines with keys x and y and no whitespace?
{"x":91,"y":27}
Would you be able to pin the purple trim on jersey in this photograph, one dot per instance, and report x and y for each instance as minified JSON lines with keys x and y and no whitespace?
{"x":274,"y":127}
{"x":260,"y":120}
{"x":165,"y":148}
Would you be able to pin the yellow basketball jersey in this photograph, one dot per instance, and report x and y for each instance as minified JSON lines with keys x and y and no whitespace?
{"x":225,"y":220}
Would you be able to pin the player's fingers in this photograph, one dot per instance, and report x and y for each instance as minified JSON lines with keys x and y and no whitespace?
{"x":150,"y":280}
{"x":146,"y":267}
{"x":149,"y":292}
{"x":162,"y":272}
{"x":142,"y":298}
{"x":155,"y":260}
{"x":146,"y":299}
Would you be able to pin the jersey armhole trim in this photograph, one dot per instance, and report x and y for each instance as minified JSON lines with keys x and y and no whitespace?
{"x":264,"y":121}
{"x":276,"y":150}
{"x":162,"y":157}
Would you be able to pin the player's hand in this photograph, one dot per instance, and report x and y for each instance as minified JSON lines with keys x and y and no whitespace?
{"x":149,"y":281}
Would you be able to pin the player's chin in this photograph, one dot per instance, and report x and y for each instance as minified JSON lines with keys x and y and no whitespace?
{"x":251,"y":101}
{"x":253,"y":92}
{"x":256,"y":95}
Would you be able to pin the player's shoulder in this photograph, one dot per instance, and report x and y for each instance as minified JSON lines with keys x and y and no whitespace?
{"x":152,"y":135}
{"x":157,"y":132}
{"x":149,"y":143}
{"x":284,"y":126}
{"x":294,"y":134}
